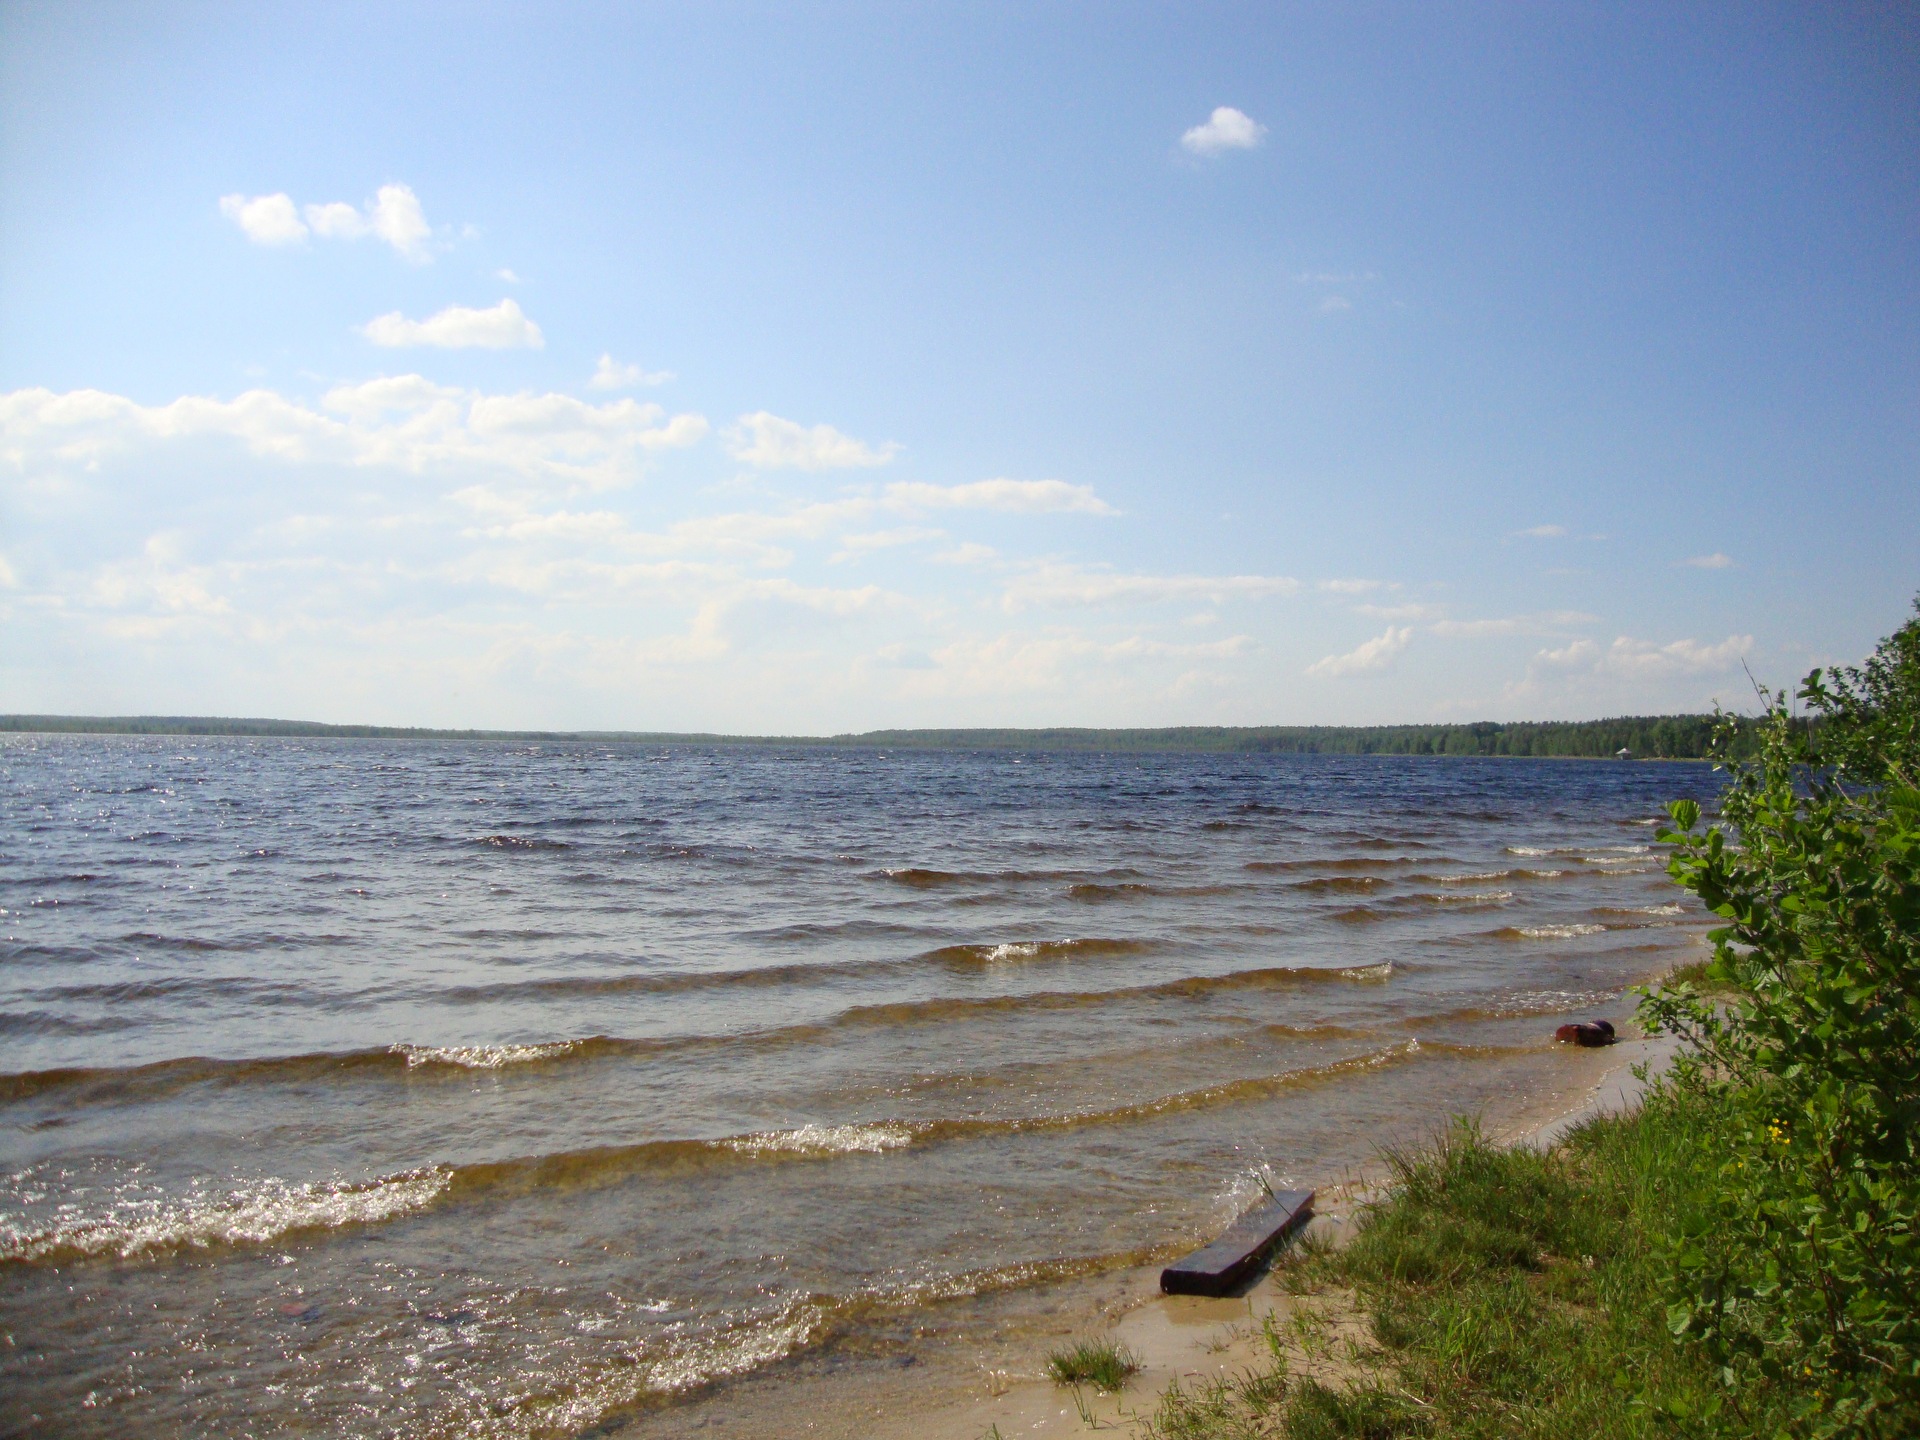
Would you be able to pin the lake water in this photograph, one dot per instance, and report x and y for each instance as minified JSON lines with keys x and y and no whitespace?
{"x":370,"y":1088}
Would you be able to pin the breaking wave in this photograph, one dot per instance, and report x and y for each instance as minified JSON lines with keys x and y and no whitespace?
{"x":484,"y":1057}
{"x":139,"y":1223}
{"x":823,"y":1140}
{"x":267,"y":1210}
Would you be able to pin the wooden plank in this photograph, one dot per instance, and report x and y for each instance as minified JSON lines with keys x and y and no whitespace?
{"x":1215,"y":1269}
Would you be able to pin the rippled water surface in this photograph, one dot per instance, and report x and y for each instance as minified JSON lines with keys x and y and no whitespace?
{"x":359,"y":1088}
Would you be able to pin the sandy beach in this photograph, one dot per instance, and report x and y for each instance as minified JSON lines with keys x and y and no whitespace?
{"x":990,"y":1378}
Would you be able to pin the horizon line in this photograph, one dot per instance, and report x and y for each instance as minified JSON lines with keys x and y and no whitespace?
{"x":986,"y":736}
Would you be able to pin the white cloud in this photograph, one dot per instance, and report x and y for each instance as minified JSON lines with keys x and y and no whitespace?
{"x":968,"y":553}
{"x":1333,"y":304}
{"x":1679,"y":657}
{"x":393,"y":215}
{"x":762,"y":536}
{"x":1066,"y":585}
{"x":369,"y":550}
{"x":1400,"y":612}
{"x":767,"y":442}
{"x":1032,"y":497}
{"x":1546,"y":622}
{"x":853,"y":546}
{"x":611,"y":375}
{"x":159,"y":580}
{"x":1542,"y":532}
{"x":1630,"y":658}
{"x":1569,"y":657}
{"x":503,"y":327}
{"x":405,"y":421}
{"x":1226,"y":129}
{"x":1374,"y":654}
{"x":503,"y":273}
{"x":265,"y":219}
{"x":1715,"y":561}
{"x":336,"y":221}
{"x":1053,"y":664}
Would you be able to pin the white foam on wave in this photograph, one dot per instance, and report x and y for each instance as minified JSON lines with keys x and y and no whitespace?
{"x":1477,"y":897}
{"x":571,"y":1393}
{"x":1382,"y":971}
{"x":1560,"y":932}
{"x":1252,"y":1186}
{"x":824,"y":1140}
{"x":735,"y":1351}
{"x":135,"y":1224}
{"x":1542,"y":1002}
{"x":1015,"y":950}
{"x":482,"y":1057}
{"x":1588,"y":853}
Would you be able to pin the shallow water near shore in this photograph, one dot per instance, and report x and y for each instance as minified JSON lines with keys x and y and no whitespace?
{"x":356,"y":1087}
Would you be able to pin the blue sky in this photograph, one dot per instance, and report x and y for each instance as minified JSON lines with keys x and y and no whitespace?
{"x":811,"y":368}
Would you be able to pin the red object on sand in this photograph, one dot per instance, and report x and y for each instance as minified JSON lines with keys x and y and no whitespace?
{"x":1586,"y":1032}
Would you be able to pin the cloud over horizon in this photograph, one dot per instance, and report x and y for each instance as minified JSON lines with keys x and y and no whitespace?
{"x":517,"y":534}
{"x":1375,"y":654}
{"x":443,"y":537}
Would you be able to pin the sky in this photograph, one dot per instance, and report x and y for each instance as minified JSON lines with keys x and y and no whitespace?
{"x":813,"y":368}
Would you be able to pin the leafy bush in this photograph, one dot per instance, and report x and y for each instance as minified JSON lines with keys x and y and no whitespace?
{"x":1736,"y":1259}
{"x":1806,"y":1264}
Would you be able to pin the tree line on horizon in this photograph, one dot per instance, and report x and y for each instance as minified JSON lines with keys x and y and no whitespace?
{"x":1660,"y":737}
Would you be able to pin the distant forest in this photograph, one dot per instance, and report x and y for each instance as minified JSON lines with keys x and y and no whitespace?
{"x":1650,"y":737}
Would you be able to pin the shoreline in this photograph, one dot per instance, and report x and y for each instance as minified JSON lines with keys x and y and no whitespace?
{"x":1598,"y":739}
{"x":966,"y":1387}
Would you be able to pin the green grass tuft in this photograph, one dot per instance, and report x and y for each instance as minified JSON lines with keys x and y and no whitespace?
{"x":1099,"y":1363}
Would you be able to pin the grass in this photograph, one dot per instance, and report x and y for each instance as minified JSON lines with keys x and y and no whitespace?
{"x":1099,"y":1363}
{"x":1694,"y":973}
{"x":1499,"y":1293}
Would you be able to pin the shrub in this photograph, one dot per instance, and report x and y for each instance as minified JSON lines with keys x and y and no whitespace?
{"x":1806,"y":1263}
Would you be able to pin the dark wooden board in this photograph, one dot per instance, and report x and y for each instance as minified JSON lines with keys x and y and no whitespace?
{"x":1215,"y":1269}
